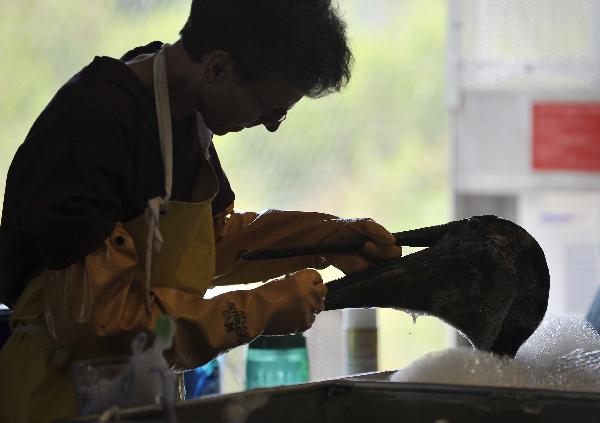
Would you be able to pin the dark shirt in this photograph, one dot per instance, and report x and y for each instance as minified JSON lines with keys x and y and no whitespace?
{"x":92,"y":158}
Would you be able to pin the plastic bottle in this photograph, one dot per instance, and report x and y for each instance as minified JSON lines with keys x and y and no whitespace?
{"x":276,"y":360}
{"x":204,"y":380}
{"x":149,"y":372}
{"x":144,"y":378}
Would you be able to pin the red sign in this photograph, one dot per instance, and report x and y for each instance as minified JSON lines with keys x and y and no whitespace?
{"x":566,"y":136}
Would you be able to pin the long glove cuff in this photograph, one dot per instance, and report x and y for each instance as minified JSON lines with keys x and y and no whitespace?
{"x":207,"y":328}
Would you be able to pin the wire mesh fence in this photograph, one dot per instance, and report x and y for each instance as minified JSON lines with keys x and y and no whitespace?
{"x":517,"y":44}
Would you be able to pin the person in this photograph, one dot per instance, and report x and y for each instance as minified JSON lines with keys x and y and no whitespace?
{"x":117,"y":209}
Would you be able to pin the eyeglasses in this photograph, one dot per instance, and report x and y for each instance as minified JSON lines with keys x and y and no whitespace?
{"x":269,"y":121}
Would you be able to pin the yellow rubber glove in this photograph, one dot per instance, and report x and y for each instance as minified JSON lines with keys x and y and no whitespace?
{"x":274,"y":229}
{"x":293,"y":302}
{"x":381,"y":244}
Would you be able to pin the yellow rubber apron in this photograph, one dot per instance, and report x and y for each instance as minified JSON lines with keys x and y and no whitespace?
{"x":35,"y":381}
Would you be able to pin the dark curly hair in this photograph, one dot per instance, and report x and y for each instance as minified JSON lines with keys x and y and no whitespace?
{"x":302,"y":42}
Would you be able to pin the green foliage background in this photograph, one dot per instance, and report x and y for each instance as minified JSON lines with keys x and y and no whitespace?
{"x":378,"y":149}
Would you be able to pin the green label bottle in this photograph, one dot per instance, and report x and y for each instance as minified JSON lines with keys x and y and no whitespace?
{"x":276,"y":360}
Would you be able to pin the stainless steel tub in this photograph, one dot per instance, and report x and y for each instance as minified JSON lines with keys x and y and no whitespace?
{"x":370,"y":398}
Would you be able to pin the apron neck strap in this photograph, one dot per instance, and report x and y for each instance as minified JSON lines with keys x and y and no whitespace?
{"x":154,"y":240}
{"x":163,"y":115}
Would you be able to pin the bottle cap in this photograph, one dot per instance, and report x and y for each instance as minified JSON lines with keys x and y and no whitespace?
{"x":279,"y":342}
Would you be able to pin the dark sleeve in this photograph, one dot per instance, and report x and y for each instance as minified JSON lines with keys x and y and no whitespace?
{"x":75,"y":171}
{"x":226,"y":196}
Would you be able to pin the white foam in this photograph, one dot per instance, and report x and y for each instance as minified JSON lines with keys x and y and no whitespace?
{"x":557,"y":336}
{"x":563,"y":354}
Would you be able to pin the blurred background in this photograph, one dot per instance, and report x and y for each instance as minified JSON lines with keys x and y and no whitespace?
{"x":446,"y":116}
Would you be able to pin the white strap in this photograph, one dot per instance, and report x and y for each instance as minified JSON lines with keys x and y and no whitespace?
{"x":163,"y":115}
{"x":154,"y":241}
